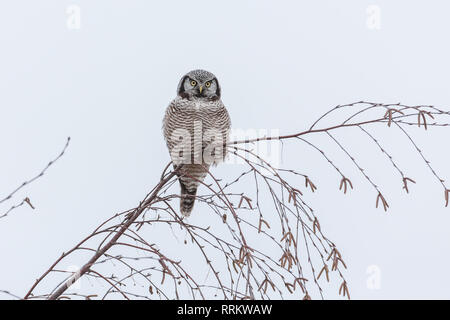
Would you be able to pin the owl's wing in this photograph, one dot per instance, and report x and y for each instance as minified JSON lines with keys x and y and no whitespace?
{"x":174,"y":118}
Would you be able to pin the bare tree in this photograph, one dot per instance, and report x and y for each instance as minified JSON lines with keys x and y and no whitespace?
{"x":267,"y":243}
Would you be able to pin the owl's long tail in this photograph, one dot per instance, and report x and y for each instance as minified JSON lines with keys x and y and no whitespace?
{"x":187,"y":200}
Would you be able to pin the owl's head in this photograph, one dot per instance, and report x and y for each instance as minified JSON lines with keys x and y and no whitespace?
{"x":200,"y":84}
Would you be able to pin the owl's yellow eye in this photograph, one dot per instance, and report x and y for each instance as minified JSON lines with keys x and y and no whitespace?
{"x":208,"y":84}
{"x":193,"y":83}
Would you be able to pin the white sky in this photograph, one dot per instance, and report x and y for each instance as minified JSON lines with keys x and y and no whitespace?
{"x":281,"y":64}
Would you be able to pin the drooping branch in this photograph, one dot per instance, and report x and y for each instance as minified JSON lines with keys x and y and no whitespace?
{"x":250,"y":269}
{"x":27,"y":200}
{"x":129,"y":221}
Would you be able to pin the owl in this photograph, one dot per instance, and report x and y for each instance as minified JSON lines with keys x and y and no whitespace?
{"x":196,"y":128}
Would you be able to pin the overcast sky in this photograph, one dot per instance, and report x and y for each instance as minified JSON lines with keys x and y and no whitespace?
{"x":106,"y":80}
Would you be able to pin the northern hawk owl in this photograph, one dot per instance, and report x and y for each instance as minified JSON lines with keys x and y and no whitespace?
{"x":196,"y":126}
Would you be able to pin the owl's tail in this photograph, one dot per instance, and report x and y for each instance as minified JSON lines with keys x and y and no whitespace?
{"x":187,"y":200}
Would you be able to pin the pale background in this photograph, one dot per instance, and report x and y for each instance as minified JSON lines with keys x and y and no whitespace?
{"x":281,"y":64}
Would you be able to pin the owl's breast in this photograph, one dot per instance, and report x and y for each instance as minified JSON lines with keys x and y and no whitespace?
{"x":194,"y":115}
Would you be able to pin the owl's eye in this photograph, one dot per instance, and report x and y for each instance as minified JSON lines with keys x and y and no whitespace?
{"x":193,"y":83}
{"x":208,"y":84}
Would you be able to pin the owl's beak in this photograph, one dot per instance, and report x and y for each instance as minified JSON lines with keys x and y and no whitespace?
{"x":200,"y":89}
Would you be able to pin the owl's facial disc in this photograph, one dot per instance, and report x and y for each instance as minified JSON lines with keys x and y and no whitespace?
{"x":199,"y":84}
